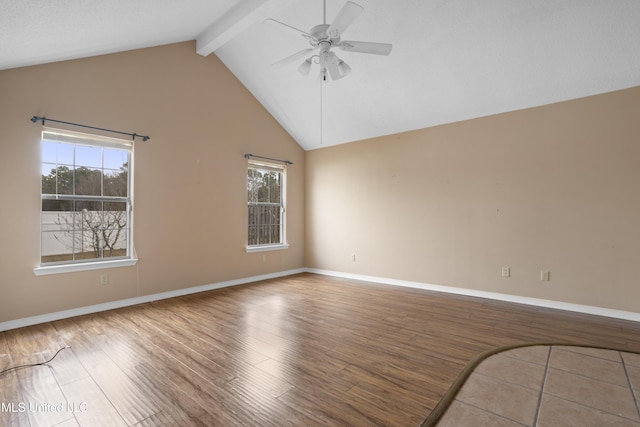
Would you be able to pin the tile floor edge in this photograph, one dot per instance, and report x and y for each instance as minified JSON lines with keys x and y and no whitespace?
{"x":442,"y":406}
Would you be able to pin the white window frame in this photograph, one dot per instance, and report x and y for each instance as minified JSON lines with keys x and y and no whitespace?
{"x":282,"y":169}
{"x":83,"y":139}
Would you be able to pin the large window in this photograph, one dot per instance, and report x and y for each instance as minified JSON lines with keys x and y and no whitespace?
{"x":86,"y":198}
{"x":266,"y":206}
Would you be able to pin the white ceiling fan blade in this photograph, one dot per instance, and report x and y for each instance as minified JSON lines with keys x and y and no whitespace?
{"x":347,"y":14}
{"x":292,"y":30}
{"x":292,"y":58}
{"x":366,"y":47}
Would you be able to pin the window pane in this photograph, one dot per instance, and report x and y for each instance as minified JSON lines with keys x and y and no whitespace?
{"x":274,"y":187}
{"x":65,"y":154}
{"x":48,"y":168}
{"x":87,"y":232}
{"x":58,"y":181}
{"x":253,"y":184}
{"x":263,"y":189}
{"x":88,"y":182}
{"x":115,"y":229}
{"x":57,"y":205}
{"x":115,"y":159}
{"x":269,"y":191}
{"x":49,"y":179}
{"x":50,"y":152}
{"x":88,"y":156}
{"x":58,"y":230}
{"x":253,"y":224}
{"x":116,"y":182}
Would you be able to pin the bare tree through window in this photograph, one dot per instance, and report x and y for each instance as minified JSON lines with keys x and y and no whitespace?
{"x":85,"y":200}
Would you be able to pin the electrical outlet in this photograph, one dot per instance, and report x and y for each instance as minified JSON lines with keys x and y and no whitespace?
{"x":506,"y":272}
{"x":544,"y":275}
{"x":104,"y":279}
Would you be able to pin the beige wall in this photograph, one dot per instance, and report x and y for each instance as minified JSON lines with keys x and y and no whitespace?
{"x":553,"y":188}
{"x":201,"y":121}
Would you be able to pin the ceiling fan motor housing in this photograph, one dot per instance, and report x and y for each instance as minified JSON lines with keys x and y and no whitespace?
{"x":320,"y":33}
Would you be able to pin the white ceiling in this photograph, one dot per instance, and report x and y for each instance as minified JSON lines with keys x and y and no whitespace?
{"x":452,"y":60}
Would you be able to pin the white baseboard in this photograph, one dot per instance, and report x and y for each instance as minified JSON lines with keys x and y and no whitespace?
{"x":586,"y":309}
{"x":49,"y":317}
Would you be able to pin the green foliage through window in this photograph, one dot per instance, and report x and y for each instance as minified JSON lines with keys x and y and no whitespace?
{"x":265,"y":195}
{"x":86,"y":200}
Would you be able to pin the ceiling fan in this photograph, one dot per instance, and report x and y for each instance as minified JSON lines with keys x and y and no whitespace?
{"x":324,"y":37}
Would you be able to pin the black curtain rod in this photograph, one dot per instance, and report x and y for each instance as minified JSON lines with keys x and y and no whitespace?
{"x":247,"y":156}
{"x":132,"y":135}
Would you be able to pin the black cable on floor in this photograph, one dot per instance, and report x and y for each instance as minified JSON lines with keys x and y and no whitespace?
{"x":33,"y":364}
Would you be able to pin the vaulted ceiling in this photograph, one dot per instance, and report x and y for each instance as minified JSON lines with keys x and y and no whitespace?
{"x":452,"y":60}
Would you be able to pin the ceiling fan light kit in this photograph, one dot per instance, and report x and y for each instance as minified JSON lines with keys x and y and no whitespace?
{"x":305,"y":67}
{"x":323,"y":38}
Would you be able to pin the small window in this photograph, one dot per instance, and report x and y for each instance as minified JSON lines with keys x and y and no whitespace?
{"x":86,"y":198}
{"x":266,"y":206}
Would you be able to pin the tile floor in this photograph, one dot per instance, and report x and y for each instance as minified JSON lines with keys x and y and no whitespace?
{"x":545,"y":386}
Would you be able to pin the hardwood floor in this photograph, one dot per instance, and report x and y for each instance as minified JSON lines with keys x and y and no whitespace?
{"x":304,"y":350}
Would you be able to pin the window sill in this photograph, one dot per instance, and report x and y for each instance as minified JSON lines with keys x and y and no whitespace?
{"x":265,"y":248}
{"x":85,"y":266}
